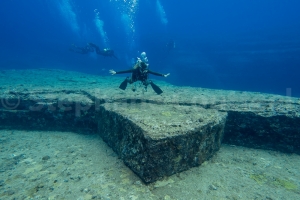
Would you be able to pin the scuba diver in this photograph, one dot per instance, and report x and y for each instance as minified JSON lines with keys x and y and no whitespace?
{"x":104,"y":52}
{"x":90,"y":47}
{"x":82,"y":50}
{"x":140,"y":72}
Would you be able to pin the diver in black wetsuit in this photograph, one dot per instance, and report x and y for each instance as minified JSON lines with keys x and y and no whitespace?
{"x":90,"y":47}
{"x":140,"y":72}
{"x":82,"y":50}
{"x":104,"y":52}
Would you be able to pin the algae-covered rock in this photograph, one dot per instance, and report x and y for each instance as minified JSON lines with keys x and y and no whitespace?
{"x":287,"y":184}
{"x":154,"y":145}
{"x":274,"y":181}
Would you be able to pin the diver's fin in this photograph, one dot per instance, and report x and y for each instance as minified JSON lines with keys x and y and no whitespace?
{"x":123,"y":85}
{"x":156,"y":88}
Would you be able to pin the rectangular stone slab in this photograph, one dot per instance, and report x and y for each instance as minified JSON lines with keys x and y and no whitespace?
{"x":160,"y":140}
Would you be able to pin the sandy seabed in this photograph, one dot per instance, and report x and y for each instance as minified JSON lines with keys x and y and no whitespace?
{"x":67,"y":165}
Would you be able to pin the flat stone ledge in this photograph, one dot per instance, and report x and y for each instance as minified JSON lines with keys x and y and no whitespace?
{"x":272,"y":132}
{"x":159,"y":127}
{"x":160,"y":140}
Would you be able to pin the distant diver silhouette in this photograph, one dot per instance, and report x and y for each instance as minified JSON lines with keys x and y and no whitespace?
{"x":90,"y":47}
{"x":82,"y":50}
{"x":105,"y":52}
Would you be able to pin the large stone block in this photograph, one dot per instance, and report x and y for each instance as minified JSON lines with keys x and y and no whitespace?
{"x":160,"y":140}
{"x":274,"y":132}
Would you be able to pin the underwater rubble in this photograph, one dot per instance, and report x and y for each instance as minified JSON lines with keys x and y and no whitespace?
{"x":154,"y":135}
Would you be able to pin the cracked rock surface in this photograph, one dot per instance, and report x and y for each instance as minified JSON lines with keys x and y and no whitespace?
{"x":155,"y":135}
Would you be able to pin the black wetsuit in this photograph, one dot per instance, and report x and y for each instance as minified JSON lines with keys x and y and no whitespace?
{"x":104,"y":52}
{"x":82,"y":50}
{"x":90,"y":47}
{"x":140,"y":74}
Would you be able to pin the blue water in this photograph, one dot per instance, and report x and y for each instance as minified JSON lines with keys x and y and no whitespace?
{"x":248,"y":45}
